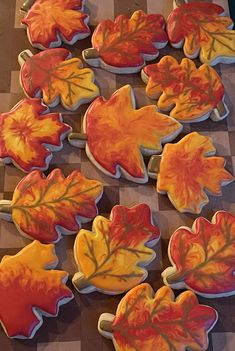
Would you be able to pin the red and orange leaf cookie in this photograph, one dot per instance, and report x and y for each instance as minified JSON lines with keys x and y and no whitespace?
{"x":29,"y":134}
{"x":30,"y":288}
{"x":117,"y":134}
{"x":203,"y":31}
{"x":203,"y":257}
{"x":57,"y":77}
{"x":51,"y":22}
{"x":43,"y":208}
{"x":190,"y":94}
{"x":148,"y":321}
{"x":124,"y":45}
{"x":187,"y":171}
{"x":111,"y":258}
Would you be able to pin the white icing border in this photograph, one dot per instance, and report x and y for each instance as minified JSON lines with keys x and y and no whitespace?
{"x":143,"y":264}
{"x":172,"y":269}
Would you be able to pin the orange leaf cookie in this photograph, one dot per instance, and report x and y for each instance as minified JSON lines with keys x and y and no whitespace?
{"x":29,"y":134}
{"x":203,"y":31}
{"x":51,"y":22}
{"x":187,"y":171}
{"x":190,"y":94}
{"x":124,"y":45}
{"x":148,"y":321}
{"x":203,"y":258}
{"x":57,"y":77}
{"x":117,"y":134}
{"x":111,"y":257}
{"x":43,"y":208}
{"x":30,"y":288}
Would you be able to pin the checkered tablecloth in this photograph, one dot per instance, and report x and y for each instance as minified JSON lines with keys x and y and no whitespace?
{"x":75,"y":329}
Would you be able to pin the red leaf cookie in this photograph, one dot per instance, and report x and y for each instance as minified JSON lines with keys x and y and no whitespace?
{"x":203,"y":257}
{"x":148,"y":321}
{"x":57,"y":77}
{"x":29,"y":134}
{"x":117,"y":134}
{"x":51,"y":22}
{"x":124,"y":45}
{"x":111,"y":258}
{"x":190,"y":94}
{"x":203,"y":31}
{"x":30,"y":288}
{"x":43,"y":208}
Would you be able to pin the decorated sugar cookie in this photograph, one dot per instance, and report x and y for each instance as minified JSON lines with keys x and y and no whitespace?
{"x":111,"y":258}
{"x":124,"y":45}
{"x":116,"y":135}
{"x":151,"y":321}
{"x":31,"y":288}
{"x":51,"y":22}
{"x":43,"y":208}
{"x":29,"y":134}
{"x":203,"y":257}
{"x":203,"y":31}
{"x":187,"y":170}
{"x":57,"y":77}
{"x":190,"y":94}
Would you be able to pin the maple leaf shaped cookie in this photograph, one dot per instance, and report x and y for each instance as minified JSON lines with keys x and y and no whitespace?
{"x":124,"y":45}
{"x":30,"y":288}
{"x":43,"y":208}
{"x":203,"y":258}
{"x":51,"y":22}
{"x":29,"y":134}
{"x":117,"y":134}
{"x":57,"y":77}
{"x":111,"y":257}
{"x":187,"y":171}
{"x":148,"y":321}
{"x":203,"y":30}
{"x":190,"y":94}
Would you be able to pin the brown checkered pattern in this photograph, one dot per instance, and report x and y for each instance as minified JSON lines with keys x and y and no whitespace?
{"x":75,"y":329}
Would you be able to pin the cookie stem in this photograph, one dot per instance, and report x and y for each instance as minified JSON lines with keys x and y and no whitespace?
{"x":77,"y":139}
{"x":24,"y":56}
{"x":106,"y":326}
{"x":220,"y":112}
{"x":80,"y":282}
{"x":174,"y":278}
{"x":154,"y":166}
{"x":27,"y":5}
{"x":90,"y":54}
{"x":5,"y":207}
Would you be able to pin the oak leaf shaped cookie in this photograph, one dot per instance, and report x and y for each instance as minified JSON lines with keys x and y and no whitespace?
{"x":148,"y":321}
{"x":203,"y":30}
{"x":117,"y":134}
{"x":111,"y":257}
{"x":203,"y":258}
{"x":30,"y":288}
{"x":29,"y":134}
{"x":57,"y":77}
{"x":186,"y":172}
{"x":43,"y":208}
{"x":190,"y":94}
{"x":51,"y":22}
{"x":124,"y":45}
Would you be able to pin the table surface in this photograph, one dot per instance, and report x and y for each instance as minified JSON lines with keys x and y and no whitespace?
{"x":75,"y":328}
